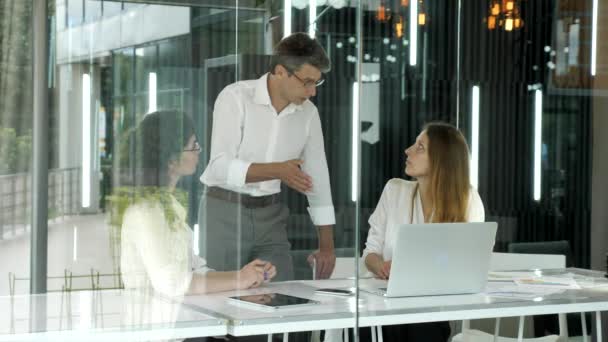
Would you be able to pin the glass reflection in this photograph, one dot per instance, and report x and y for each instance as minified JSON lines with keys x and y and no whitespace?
{"x":156,"y":241}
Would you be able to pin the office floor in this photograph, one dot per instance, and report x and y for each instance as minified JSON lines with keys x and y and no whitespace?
{"x":75,"y":243}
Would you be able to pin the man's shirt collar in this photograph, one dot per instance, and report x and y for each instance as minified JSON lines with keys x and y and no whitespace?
{"x":262,"y":96}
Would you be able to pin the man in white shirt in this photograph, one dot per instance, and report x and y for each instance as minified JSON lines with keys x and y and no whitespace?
{"x":265,"y":132}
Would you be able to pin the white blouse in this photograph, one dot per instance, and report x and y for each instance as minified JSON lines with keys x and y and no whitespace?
{"x":155,"y":254}
{"x":394,"y":210}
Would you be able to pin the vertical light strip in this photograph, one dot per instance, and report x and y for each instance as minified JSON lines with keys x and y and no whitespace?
{"x":594,"y":38}
{"x":75,"y":249}
{"x":312,"y":18}
{"x":475,"y":137}
{"x":538,"y":131}
{"x":195,"y":248}
{"x":355,"y":144}
{"x":86,"y":141}
{"x":286,"y":18}
{"x":413,"y":31}
{"x":152,"y":92}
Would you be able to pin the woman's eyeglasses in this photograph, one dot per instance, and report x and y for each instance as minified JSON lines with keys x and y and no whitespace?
{"x":196,"y":148}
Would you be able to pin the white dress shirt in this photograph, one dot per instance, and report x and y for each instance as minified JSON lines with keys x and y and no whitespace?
{"x":155,"y":254}
{"x":247,"y":129}
{"x":394,"y":209}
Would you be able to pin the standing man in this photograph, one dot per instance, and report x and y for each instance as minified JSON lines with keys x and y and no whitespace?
{"x":265,"y":132}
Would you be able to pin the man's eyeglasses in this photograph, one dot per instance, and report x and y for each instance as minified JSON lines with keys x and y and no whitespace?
{"x":196,"y":148}
{"x":309,"y":83}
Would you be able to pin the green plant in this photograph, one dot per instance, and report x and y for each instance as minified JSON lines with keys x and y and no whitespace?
{"x":8,"y":150}
{"x":123,"y":197}
{"x":15,"y":151}
{"x":24,"y":153}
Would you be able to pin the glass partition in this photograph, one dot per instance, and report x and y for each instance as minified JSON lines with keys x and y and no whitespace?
{"x":16,"y":123}
{"x":522,"y":81}
{"x":197,"y":154}
{"x":175,"y":139}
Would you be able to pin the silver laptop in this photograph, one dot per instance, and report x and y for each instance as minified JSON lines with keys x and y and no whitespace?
{"x":439,"y":259}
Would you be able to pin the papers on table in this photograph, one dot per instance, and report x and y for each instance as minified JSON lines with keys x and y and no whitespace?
{"x":512,"y":290}
{"x":535,"y":279}
{"x":528,"y":285}
{"x":548,"y":282}
{"x":566,"y":280}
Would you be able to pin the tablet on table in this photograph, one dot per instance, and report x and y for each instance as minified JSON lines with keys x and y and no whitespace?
{"x":271,"y":301}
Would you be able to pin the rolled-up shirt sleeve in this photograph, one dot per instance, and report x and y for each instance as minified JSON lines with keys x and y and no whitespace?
{"x":224,"y":166}
{"x":321,"y":208}
{"x":199,"y":265}
{"x":378,"y":224}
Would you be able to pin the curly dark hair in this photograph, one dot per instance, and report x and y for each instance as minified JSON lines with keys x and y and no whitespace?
{"x":158,"y":139}
{"x":298,"y":49}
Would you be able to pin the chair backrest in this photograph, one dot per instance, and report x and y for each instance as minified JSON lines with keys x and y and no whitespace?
{"x":561,"y":247}
{"x":516,"y":261}
{"x":345,"y":268}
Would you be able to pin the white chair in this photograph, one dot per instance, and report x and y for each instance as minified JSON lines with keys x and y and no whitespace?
{"x":473,"y":335}
{"x":345,"y":268}
{"x":513,"y":261}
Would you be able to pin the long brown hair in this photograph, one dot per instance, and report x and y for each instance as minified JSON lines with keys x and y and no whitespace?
{"x":449,"y":172}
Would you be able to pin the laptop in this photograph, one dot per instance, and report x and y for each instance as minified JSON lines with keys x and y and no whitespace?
{"x":439,"y":259}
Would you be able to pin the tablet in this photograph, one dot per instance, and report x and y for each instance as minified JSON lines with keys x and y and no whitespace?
{"x":271,"y":301}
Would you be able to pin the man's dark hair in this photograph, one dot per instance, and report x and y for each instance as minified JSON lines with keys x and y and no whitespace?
{"x":298,"y":49}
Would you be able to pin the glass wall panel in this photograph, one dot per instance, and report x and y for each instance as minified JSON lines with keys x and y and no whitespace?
{"x":523,"y":82}
{"x":15,"y":146}
{"x":194,"y":150}
{"x":160,"y":130}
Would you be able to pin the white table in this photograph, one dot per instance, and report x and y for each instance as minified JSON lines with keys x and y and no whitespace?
{"x":127,"y":315}
{"x":101,"y":316}
{"x":339,"y":312}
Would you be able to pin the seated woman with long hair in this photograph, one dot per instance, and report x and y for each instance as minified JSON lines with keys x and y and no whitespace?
{"x":156,"y":241}
{"x":441,"y":192}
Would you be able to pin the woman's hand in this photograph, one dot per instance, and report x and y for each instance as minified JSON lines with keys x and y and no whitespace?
{"x":385,"y":270}
{"x":255,"y":273}
{"x":380,"y":268}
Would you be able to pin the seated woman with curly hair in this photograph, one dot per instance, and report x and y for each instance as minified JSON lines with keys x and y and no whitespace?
{"x":156,"y":241}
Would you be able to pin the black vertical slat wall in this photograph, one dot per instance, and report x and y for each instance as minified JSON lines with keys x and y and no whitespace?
{"x":503,"y":65}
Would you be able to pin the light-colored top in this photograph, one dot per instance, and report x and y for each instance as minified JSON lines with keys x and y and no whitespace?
{"x":155,"y":254}
{"x":247,"y":129}
{"x":395,"y":209}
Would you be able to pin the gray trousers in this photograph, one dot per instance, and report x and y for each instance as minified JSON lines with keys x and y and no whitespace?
{"x":232,"y":235}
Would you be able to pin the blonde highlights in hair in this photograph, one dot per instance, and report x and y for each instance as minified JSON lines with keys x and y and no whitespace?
{"x":449,"y":172}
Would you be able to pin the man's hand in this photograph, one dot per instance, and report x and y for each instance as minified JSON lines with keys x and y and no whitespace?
{"x":323,"y":262}
{"x":292,"y":175}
